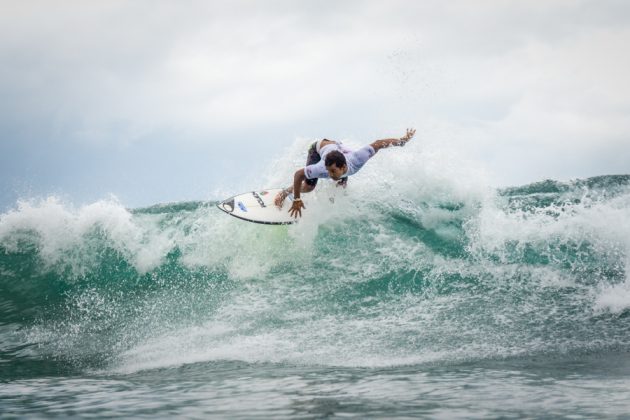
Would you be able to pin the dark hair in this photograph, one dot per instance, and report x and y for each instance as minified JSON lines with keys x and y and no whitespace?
{"x":335,"y":157}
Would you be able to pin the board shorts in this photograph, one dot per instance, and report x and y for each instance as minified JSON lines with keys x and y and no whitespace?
{"x":312,"y":158}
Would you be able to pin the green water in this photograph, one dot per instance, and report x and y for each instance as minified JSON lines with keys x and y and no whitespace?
{"x":440,"y":303}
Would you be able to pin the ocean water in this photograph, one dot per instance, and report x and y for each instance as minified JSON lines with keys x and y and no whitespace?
{"x":428,"y":296}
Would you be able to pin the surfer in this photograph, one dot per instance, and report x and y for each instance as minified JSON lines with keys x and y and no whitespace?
{"x":331,"y":159}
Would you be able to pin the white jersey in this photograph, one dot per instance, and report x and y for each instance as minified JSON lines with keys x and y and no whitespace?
{"x":354,"y":160}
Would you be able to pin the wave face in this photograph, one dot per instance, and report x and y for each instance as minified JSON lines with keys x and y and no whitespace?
{"x":430,"y":272}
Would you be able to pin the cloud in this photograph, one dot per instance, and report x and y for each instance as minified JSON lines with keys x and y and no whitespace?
{"x":97,"y":67}
{"x":532,"y":90}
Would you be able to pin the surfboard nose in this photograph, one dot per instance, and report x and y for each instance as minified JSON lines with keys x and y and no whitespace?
{"x":227,"y":205}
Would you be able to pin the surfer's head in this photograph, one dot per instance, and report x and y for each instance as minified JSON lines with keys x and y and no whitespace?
{"x":336,"y":164}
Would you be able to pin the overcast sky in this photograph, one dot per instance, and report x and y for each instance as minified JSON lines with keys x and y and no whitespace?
{"x":159,"y":101}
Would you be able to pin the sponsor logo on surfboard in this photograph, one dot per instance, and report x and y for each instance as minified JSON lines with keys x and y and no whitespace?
{"x":260,"y":200}
{"x":242,"y":206}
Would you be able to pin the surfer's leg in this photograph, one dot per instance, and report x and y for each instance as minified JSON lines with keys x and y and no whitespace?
{"x":308,"y":185}
{"x":312,"y":158}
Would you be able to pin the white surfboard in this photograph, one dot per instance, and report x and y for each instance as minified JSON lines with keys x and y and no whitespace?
{"x":258,"y":207}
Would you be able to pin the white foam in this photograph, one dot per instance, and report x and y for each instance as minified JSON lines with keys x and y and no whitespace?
{"x":70,"y":237}
{"x":614,"y":299}
{"x":604,"y":224}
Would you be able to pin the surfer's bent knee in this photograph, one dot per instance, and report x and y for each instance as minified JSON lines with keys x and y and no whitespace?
{"x":308,"y":187}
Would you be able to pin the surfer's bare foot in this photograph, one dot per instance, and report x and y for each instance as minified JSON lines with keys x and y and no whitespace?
{"x":280,"y":197}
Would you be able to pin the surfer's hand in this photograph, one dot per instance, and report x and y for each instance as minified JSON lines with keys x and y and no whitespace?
{"x":280,"y":197}
{"x":296,"y":209}
{"x":343,"y":182}
{"x":410,"y":133}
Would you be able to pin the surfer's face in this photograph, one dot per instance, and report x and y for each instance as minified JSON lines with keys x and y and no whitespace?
{"x":336,"y":172}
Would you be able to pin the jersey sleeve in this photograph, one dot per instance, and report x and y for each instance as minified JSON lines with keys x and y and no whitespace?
{"x":316,"y":170}
{"x":359,"y":157}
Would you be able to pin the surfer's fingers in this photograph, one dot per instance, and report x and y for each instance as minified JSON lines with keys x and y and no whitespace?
{"x":296,"y":211}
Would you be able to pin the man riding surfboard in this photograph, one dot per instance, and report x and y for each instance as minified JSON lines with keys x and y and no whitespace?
{"x":331,"y":159}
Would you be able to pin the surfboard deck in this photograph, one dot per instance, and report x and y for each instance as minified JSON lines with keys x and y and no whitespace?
{"x":258,"y":207}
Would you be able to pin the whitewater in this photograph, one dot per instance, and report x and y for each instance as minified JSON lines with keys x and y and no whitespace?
{"x":420,"y":292}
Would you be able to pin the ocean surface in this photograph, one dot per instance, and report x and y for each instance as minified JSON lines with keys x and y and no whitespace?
{"x":405,"y":298}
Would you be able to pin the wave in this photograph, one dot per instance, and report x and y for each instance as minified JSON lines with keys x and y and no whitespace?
{"x":429,"y":270}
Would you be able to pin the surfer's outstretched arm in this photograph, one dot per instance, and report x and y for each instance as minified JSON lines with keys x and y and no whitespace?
{"x":384,"y":143}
